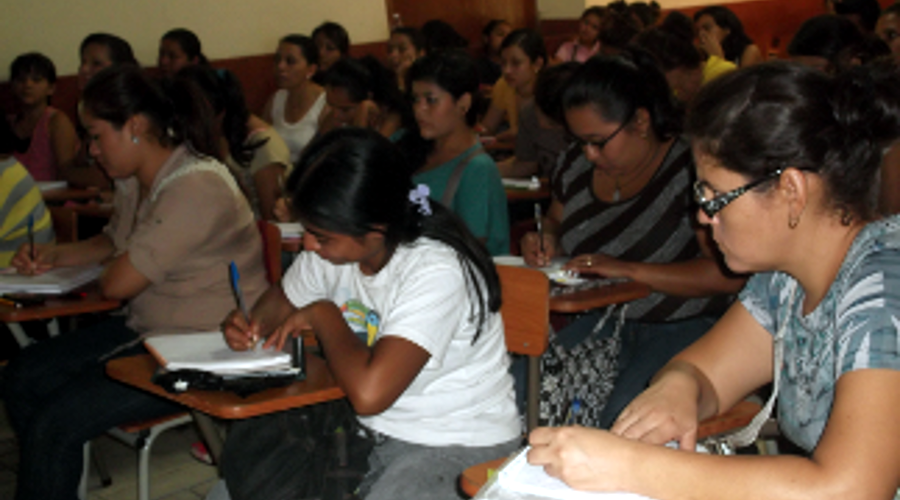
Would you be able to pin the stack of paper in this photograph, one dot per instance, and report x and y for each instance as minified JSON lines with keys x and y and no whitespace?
{"x":55,"y":281}
{"x":290,"y":230}
{"x":532,"y":184}
{"x":519,"y":480}
{"x":208,"y":351}
{"x":51,"y":185}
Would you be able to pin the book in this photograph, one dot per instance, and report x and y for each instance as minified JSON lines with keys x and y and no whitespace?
{"x":56,"y":281}
{"x":208,"y":351}
{"x":519,"y":480}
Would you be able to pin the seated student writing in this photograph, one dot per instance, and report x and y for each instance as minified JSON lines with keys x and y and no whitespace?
{"x":179,"y":219}
{"x":786,"y":184}
{"x":404,"y":303}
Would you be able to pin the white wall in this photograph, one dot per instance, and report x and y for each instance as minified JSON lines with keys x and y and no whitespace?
{"x":571,"y":9}
{"x":227,"y":28}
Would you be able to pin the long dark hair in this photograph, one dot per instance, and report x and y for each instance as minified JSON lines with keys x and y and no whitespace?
{"x":176,"y":110}
{"x":118,"y":49}
{"x":352,"y":181}
{"x":225,"y":95}
{"x":617,"y":86}
{"x":530,"y":41}
{"x":737,"y":41}
{"x":367,"y":78}
{"x":767,"y":117}
{"x":336,"y":34}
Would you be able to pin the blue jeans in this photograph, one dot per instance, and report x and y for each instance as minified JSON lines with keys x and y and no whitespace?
{"x":58,"y":397}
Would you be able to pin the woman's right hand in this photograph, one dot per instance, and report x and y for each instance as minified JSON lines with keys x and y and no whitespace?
{"x":239,"y":335}
{"x":666,"y":411}
{"x":39,"y":261}
{"x":531,"y":249}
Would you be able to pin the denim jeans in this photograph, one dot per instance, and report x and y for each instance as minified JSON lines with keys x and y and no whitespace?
{"x":58,"y":397}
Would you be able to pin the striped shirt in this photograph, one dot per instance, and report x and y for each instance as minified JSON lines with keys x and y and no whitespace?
{"x":654,"y":226}
{"x":20,"y":198}
{"x":854,"y":327}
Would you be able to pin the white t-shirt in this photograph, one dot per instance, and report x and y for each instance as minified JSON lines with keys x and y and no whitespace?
{"x":298,"y":134}
{"x":463,"y":395}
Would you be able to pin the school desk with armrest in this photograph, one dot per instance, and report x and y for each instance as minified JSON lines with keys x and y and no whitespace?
{"x":473,"y":478}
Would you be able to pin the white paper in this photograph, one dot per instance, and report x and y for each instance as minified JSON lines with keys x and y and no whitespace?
{"x":532,"y":184}
{"x":51,"y":185}
{"x":208,"y":351}
{"x":55,"y":281}
{"x":519,"y":480}
{"x":290,"y":229}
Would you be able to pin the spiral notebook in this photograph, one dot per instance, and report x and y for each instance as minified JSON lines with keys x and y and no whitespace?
{"x":208,"y":351}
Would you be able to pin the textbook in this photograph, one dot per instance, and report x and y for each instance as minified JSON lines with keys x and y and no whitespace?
{"x":207,"y":351}
{"x":56,"y":281}
{"x":519,"y":480}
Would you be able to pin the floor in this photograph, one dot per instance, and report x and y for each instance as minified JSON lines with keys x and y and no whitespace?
{"x":175,"y":475}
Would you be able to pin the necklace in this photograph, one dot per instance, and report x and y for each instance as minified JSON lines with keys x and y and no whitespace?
{"x":617,"y":194}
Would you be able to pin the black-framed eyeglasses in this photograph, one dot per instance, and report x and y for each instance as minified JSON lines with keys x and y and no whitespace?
{"x":582,"y":143}
{"x":712,"y":206}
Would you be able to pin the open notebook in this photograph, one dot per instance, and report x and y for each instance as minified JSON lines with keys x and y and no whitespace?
{"x":519,"y":480}
{"x":55,"y":281}
{"x":208,"y":351}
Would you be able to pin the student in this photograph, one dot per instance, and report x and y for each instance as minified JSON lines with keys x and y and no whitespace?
{"x":46,"y":139}
{"x":490,"y":67}
{"x":333,"y":43}
{"x":97,"y":51}
{"x":820,"y":39}
{"x":22,"y":202}
{"x":178,"y":220}
{"x":444,"y":96}
{"x":179,"y":48}
{"x":297,"y":108}
{"x":255,"y":153}
{"x":524,"y":55}
{"x":785,"y":185}
{"x":721,"y":33}
{"x":363,"y":93}
{"x":426,"y":370}
{"x":542,"y":136}
{"x":888,"y":28}
{"x":404,"y":47}
{"x":587,"y":43}
{"x":620,"y":210}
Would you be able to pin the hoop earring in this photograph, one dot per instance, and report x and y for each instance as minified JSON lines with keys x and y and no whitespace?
{"x":793,"y":221}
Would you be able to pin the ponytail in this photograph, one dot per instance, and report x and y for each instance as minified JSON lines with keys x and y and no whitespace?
{"x":176,"y":110}
{"x":353,"y":181}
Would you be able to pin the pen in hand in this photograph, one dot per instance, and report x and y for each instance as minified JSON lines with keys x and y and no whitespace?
{"x":239,"y":297}
{"x":539,"y":221}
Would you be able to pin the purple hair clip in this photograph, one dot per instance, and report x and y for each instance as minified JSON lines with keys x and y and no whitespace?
{"x":419,"y":196}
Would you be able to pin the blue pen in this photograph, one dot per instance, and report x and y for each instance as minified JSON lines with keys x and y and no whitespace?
{"x":238,"y":296}
{"x":573,"y":412}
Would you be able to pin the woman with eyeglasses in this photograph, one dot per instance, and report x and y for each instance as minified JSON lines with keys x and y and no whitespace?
{"x":786,"y":160}
{"x":621,"y":209}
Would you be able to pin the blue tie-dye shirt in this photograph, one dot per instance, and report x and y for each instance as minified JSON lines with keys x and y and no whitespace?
{"x":855,"y":326}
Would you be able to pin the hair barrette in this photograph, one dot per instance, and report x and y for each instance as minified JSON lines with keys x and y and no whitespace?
{"x":419,"y":196}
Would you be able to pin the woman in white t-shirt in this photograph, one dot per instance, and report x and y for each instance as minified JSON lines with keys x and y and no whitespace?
{"x":404,"y":302}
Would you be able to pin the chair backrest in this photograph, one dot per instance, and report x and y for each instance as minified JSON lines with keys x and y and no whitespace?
{"x":65,"y":224}
{"x":526,"y":319}
{"x":271,"y":240}
{"x":525,"y":309}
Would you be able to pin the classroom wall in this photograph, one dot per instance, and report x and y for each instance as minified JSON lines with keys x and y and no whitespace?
{"x":228,"y":28}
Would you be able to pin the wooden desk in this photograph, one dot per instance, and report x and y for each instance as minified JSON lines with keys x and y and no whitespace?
{"x":515,"y":194}
{"x":318,"y":387}
{"x":585,"y":300}
{"x":84,"y":301}
{"x":473,"y":478}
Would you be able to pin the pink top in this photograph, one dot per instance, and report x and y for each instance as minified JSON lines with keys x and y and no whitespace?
{"x":39,"y":159}
{"x":573,"y":51}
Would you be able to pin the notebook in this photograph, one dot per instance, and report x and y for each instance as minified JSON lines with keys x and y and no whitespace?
{"x":290,"y":230}
{"x":208,"y":351}
{"x":54,"y":282}
{"x":519,"y":479}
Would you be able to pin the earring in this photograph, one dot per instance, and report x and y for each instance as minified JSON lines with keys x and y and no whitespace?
{"x":134,"y":139}
{"x":793,"y":221}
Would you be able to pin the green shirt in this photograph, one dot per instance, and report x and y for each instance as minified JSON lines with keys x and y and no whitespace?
{"x":480,"y":199}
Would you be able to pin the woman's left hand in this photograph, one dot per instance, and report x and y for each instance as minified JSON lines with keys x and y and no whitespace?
{"x":293,"y":326}
{"x":583,"y":458}
{"x":601,"y":265}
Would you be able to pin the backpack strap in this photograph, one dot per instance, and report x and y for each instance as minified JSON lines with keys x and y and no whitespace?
{"x":453,"y":181}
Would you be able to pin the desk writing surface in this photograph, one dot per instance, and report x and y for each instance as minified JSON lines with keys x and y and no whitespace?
{"x":593,"y":298}
{"x":318,"y":387}
{"x":90,"y":300}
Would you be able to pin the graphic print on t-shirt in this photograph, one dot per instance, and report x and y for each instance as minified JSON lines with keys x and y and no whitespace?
{"x":363,"y":321}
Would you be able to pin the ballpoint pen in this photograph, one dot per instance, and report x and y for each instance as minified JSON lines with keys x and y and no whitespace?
{"x":539,"y":221}
{"x":238,"y":295}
